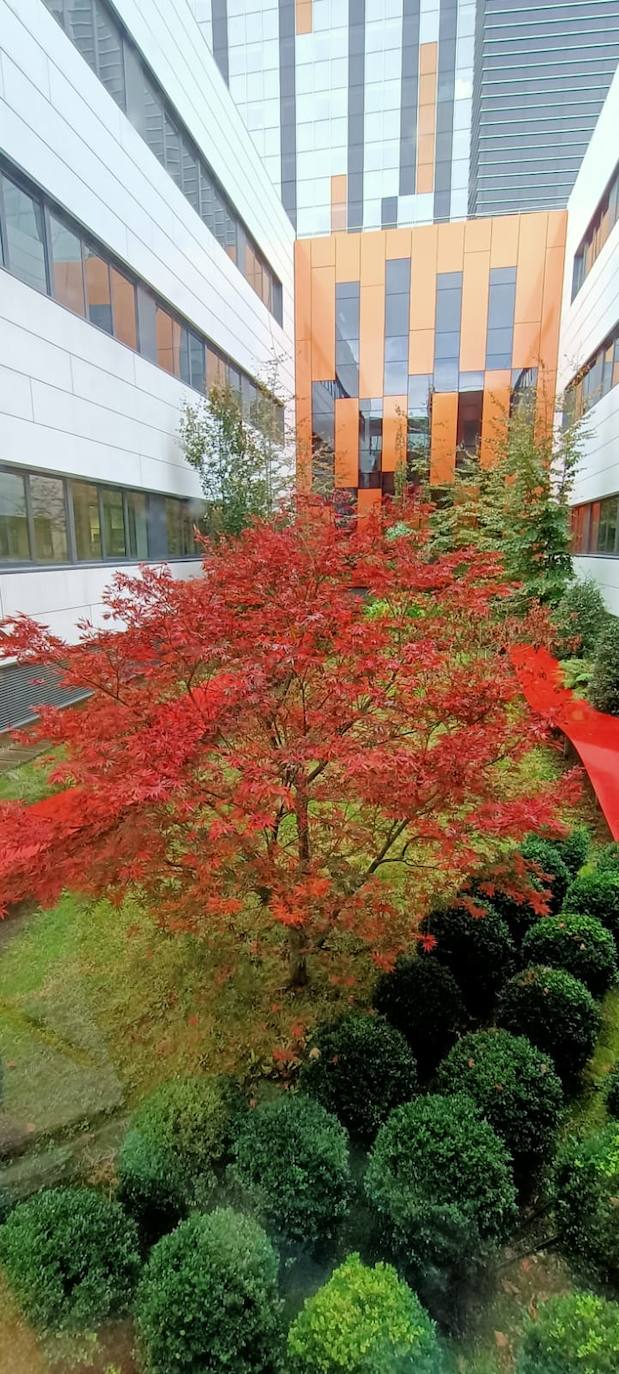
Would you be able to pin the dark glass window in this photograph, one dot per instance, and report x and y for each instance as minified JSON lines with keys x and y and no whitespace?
{"x":470,"y":405}
{"x":49,"y":519}
{"x":598,"y":230}
{"x":323,"y":435}
{"x":110,"y":66}
{"x":87,"y":521}
{"x":196,"y":361}
{"x":25,"y":235}
{"x":80,"y":26}
{"x":599,"y":375}
{"x":608,"y":528}
{"x":66,"y":265}
{"x":124,"y":309}
{"x":114,"y":541}
{"x":147,"y":317}
{"x":168,"y":342}
{"x":174,"y":527}
{"x":501,"y":305}
{"x":447,"y":330}
{"x":347,"y":337}
{"x":14,"y":537}
{"x":370,"y":442}
{"x":98,"y":290}
{"x":137,"y":524}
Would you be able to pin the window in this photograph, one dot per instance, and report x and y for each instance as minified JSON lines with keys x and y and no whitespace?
{"x":87,"y":521}
{"x":168,"y":342}
{"x":66,"y":265}
{"x":49,"y":519}
{"x":370,"y":442}
{"x":447,"y":333}
{"x":14,"y":538}
{"x":174,"y":527}
{"x":599,"y":375}
{"x":123,"y":309}
{"x":147,"y":316}
{"x":609,"y":525}
{"x":137,"y":524}
{"x":24,"y":235}
{"x":347,"y":298}
{"x":596,"y":234}
{"x":98,"y":291}
{"x":114,"y":542}
{"x":595,"y":528}
{"x":501,"y":304}
{"x":109,"y":44}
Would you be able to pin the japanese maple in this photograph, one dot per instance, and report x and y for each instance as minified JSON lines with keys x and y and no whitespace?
{"x":265,"y":739}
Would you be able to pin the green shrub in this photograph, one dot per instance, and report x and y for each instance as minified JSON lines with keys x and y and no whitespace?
{"x":363,"y":1321}
{"x":586,"y":1188}
{"x":576,"y":673}
{"x":478,"y":951}
{"x":176,"y":1140}
{"x":577,"y":1333}
{"x":359,"y":1067}
{"x":518,"y":915}
{"x":612,"y":1092}
{"x":555,"y":1011}
{"x":208,"y":1299}
{"x":290,"y":1162}
{"x":422,"y":1000}
{"x":574,"y":848}
{"x":579,"y":619}
{"x":555,"y":875}
{"x":440,"y":1181}
{"x":596,"y":894}
{"x":514,"y":1086}
{"x":579,"y":944}
{"x":604,"y":686}
{"x":607,"y":860}
{"x":71,"y":1257}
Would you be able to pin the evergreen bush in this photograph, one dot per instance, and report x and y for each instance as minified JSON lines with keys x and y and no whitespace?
{"x":612,"y":1092}
{"x":477,"y":949}
{"x":514,"y":1086}
{"x":290,"y":1162}
{"x":421,"y":998}
{"x":71,"y":1257}
{"x":579,"y":619}
{"x":607,"y":859}
{"x":604,"y":686}
{"x":441,"y":1184}
{"x":574,"y":848}
{"x":363,"y":1321}
{"x":576,"y":1333}
{"x":555,"y":875}
{"x":579,"y":944}
{"x":555,"y":1011}
{"x":359,"y":1067}
{"x":208,"y":1299}
{"x":596,"y":894}
{"x":586,"y":1188}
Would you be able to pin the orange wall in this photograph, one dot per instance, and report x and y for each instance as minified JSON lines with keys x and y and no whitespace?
{"x":532,"y":244}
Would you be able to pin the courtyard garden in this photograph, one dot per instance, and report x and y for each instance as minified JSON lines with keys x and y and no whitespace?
{"x":309,"y":1017}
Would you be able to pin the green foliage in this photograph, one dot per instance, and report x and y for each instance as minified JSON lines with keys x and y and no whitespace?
{"x":579,"y":619}
{"x":478,"y":951}
{"x":290,"y":1162}
{"x":607,"y":859}
{"x":518,"y":914}
{"x":596,"y":894}
{"x":440,"y":1181}
{"x":574,"y":848}
{"x":612,"y":1092}
{"x":423,"y":1001}
{"x":176,"y":1140}
{"x":554,"y":873}
{"x":576,"y":1333}
{"x":586,"y":1187}
{"x":208,"y":1299}
{"x":580,"y":944}
{"x":513,"y":1085}
{"x":576,"y":675}
{"x":555,"y":1011}
{"x":604,"y":687}
{"x":71,"y":1257}
{"x":363,"y":1321}
{"x":359,"y":1067}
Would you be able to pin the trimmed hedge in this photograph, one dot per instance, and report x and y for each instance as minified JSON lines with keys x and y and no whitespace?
{"x":612,"y":1092}
{"x":586,"y":1188}
{"x":574,"y":848}
{"x":518,"y":916}
{"x":604,"y":685}
{"x":555,"y":1011}
{"x":177,"y":1139}
{"x":596,"y":894}
{"x":290,"y":1162}
{"x":422,"y":1000}
{"x":71,"y":1257}
{"x":360,"y":1068}
{"x":363,"y":1321}
{"x":440,"y":1181}
{"x":579,"y":618}
{"x":577,"y":1333}
{"x":607,"y":860}
{"x":579,"y":944}
{"x":478,"y":951}
{"x":555,"y":875}
{"x":514,"y":1086}
{"x":208,"y":1299}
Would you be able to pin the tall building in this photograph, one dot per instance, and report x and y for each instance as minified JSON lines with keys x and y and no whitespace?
{"x":377,"y":113}
{"x":542,"y":73}
{"x":144,"y":253}
{"x":589,"y":349}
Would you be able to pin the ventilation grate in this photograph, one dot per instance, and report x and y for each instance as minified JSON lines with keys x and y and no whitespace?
{"x":24,"y":688}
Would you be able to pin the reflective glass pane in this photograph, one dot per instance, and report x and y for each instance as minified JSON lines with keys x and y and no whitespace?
{"x":173,"y":159}
{"x":137,"y":524}
{"x":86,"y":519}
{"x":147,"y":316}
{"x":174,"y":527}
{"x":79,"y":22}
{"x":66,"y":266}
{"x":114,"y":544}
{"x":196,"y":362}
{"x":110,"y":67}
{"x":168,"y":342}
{"x":124,"y":311}
{"x":49,"y":519}
{"x":14,"y":540}
{"x":98,"y":295}
{"x":25,"y":235}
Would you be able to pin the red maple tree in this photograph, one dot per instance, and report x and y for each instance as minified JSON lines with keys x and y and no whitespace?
{"x":261,"y":739}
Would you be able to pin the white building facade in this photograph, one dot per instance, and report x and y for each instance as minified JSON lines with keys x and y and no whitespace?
{"x":589,"y":349}
{"x":144,"y":254}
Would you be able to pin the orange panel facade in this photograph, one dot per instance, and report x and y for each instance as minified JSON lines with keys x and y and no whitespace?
{"x":303,"y":16}
{"x":411,"y":343}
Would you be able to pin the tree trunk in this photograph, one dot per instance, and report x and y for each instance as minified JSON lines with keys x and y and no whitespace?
{"x":297,"y":959}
